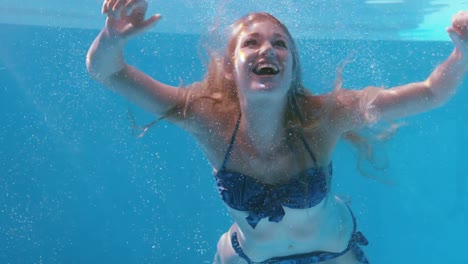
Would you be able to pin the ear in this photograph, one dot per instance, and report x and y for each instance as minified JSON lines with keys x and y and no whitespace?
{"x":228,"y":69}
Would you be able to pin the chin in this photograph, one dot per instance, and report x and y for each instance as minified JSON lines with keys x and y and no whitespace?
{"x":272,"y":85}
{"x":265,"y":86}
{"x":268,"y":90}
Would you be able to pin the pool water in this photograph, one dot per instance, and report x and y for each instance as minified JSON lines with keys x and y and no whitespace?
{"x":76,"y":186}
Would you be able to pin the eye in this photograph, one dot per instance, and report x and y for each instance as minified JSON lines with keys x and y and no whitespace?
{"x":280,"y":43}
{"x":250,"y":42}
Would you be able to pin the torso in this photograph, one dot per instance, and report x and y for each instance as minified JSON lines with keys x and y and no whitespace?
{"x":325,"y":227}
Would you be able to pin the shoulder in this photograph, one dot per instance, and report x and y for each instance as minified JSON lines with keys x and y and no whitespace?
{"x":344,"y":109}
{"x":203,"y":111}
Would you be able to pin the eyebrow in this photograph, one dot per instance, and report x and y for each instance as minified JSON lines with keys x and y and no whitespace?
{"x":255,"y":34}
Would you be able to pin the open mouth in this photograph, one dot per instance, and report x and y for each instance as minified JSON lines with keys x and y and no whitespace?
{"x":266,"y":69}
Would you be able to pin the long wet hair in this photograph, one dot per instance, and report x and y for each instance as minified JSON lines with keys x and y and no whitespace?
{"x":221,"y":94}
{"x":216,"y":82}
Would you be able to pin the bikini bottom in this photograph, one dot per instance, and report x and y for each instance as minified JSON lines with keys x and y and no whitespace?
{"x":357,"y":239}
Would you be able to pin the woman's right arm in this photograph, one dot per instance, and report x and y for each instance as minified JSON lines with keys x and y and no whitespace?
{"x":105,"y":61}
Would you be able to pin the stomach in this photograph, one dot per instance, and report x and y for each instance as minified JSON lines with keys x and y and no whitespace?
{"x":327,"y":226}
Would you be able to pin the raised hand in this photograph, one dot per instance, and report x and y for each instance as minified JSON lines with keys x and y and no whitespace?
{"x":126,"y":18}
{"x":459,"y":32}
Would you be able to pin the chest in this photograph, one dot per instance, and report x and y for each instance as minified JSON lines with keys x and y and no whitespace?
{"x":273,"y":166}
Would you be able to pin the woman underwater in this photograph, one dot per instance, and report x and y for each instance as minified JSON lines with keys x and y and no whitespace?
{"x":269,"y":139}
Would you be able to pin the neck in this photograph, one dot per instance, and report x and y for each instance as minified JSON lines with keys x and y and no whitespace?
{"x":263,"y":124}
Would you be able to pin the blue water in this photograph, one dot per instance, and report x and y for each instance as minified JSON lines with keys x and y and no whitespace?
{"x":77,"y":187}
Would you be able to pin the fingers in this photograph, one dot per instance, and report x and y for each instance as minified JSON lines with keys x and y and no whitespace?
{"x":129,"y":5}
{"x":150,"y":22}
{"x":458,"y":41}
{"x":453,"y":30}
{"x":104,"y":7}
{"x":454,"y":36}
{"x":143,"y":26}
{"x":117,"y":9}
{"x":131,"y":13}
{"x":113,"y":8}
{"x":460,"y":23}
{"x":135,"y":5}
{"x":459,"y":19}
{"x":107,"y":6}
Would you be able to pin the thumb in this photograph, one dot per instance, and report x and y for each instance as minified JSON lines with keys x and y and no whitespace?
{"x":455,"y":37}
{"x":143,"y":26}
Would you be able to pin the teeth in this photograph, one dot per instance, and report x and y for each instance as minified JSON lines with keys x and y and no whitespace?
{"x":266,"y":68}
{"x":266,"y":65}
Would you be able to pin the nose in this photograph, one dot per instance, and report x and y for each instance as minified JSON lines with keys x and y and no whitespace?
{"x":267,"y":49}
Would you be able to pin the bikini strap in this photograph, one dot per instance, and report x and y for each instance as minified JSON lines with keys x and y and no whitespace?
{"x":357,"y":238}
{"x":308,"y":148}
{"x":231,"y":143}
{"x":233,"y":139}
{"x":238,"y":249}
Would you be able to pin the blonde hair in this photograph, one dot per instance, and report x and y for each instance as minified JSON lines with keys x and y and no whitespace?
{"x":223,"y":95}
{"x":223,"y":91}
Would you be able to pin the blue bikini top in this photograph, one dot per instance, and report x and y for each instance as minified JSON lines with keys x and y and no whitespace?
{"x":245,"y":193}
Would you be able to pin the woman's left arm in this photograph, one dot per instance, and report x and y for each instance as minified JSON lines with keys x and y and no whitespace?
{"x":438,"y":88}
{"x":358,"y":108}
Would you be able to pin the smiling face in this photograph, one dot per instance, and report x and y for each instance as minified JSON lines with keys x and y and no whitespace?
{"x":262,"y":57}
